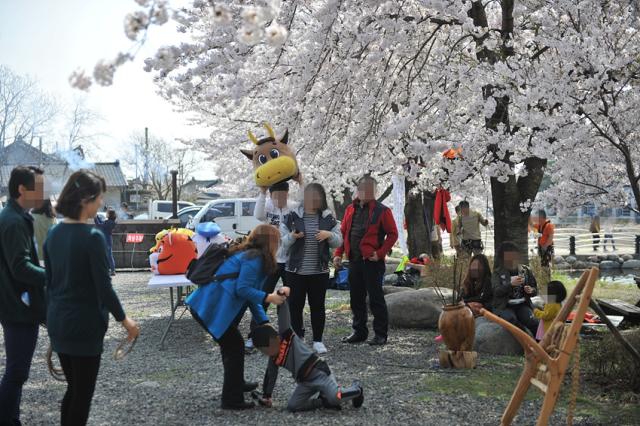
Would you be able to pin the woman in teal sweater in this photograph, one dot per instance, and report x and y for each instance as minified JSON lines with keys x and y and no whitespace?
{"x":79,"y":293}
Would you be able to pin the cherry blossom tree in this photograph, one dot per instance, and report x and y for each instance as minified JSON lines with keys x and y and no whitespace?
{"x":385,"y":87}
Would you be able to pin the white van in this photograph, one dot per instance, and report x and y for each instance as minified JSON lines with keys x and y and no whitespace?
{"x":234,"y":216}
{"x":163,"y":209}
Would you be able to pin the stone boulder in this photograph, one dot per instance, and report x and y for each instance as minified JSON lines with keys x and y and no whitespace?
{"x":558,"y":259}
{"x":491,"y":338}
{"x":609,"y":264}
{"x":414,"y":309}
{"x":626,"y":257}
{"x":631,"y":264}
{"x":571,"y":260}
{"x":602,"y":257}
{"x":579,"y":265}
{"x":390,"y":279}
{"x":562,"y":266}
{"x":388,"y":289}
{"x":613,"y":257}
{"x":593,"y":259}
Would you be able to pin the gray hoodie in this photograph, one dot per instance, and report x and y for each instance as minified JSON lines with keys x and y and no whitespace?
{"x":295,"y":356}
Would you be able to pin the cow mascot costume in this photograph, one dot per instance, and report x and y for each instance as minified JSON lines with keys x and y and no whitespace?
{"x":273,"y":159}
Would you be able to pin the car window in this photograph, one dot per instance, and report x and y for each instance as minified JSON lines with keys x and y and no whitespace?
{"x":164,"y":207}
{"x":184,"y":217}
{"x":248,"y":207}
{"x":183,"y":205}
{"x":227,"y":209}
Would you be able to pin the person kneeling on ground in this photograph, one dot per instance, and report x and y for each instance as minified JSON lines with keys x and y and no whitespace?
{"x":311,"y":373}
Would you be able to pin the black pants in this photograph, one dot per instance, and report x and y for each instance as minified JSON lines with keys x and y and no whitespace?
{"x":521,"y":316}
{"x":596,"y":241}
{"x":19,"y":345}
{"x":269,"y":286}
{"x":232,"y":351}
{"x":365,"y":277}
{"x":315,"y":287}
{"x":81,"y":373}
{"x":608,"y":237}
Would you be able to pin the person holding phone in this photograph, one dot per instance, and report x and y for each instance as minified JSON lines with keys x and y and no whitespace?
{"x":513,"y":287}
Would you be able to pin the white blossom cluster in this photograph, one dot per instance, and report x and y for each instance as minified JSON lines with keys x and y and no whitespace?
{"x":386,"y":87}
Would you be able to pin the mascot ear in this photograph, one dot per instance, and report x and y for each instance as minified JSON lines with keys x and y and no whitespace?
{"x":247,"y":153}
{"x":285,"y":137}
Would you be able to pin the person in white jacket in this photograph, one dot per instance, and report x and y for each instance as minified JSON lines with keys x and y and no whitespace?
{"x":272,"y":211}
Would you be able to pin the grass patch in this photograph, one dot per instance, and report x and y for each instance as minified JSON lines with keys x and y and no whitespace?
{"x":603,"y":289}
{"x":496,"y":378}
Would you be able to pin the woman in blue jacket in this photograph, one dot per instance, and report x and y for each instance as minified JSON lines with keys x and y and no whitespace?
{"x":219,"y":307}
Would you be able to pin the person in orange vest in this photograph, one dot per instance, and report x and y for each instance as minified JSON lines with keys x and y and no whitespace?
{"x":545,"y":231}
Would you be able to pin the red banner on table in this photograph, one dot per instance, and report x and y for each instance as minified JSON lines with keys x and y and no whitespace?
{"x":135,"y":238}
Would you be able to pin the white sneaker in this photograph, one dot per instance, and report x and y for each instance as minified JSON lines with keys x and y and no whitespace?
{"x":320,"y":348}
{"x":248,"y":345}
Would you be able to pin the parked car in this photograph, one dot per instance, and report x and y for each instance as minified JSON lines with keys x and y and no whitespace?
{"x":162,"y":209}
{"x":186,"y":214}
{"x":234,"y":216}
{"x":141,"y":216}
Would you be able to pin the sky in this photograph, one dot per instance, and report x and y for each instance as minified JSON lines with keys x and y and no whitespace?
{"x":49,"y":39}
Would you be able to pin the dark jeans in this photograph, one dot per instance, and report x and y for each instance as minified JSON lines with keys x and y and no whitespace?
{"x":81,"y":373}
{"x":232,"y":351}
{"x":365,"y":277}
{"x":19,"y":345}
{"x":596,"y":241}
{"x":608,"y":237}
{"x":521,"y":316}
{"x":314,"y":286}
{"x":269,"y":286}
{"x":112,"y":261}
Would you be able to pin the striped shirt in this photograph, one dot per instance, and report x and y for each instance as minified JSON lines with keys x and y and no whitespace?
{"x":311,"y":260}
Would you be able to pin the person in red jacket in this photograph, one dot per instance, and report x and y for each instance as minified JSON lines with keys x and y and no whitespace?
{"x":368,"y":232}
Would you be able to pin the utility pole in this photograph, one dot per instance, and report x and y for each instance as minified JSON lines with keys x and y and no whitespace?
{"x":145,"y":177}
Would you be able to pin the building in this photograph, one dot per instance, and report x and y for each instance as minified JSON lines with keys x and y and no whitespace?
{"x":200,"y":191}
{"x":58,"y":168}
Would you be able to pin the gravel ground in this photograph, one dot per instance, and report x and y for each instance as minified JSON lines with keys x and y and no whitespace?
{"x":182,"y":384}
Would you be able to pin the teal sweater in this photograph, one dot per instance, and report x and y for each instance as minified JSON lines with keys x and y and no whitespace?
{"x":19,"y":268}
{"x":79,"y":292}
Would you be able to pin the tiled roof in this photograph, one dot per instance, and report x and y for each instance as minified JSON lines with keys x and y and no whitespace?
{"x":57,"y":174}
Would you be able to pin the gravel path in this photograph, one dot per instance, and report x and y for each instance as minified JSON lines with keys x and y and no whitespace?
{"x":182,"y":384}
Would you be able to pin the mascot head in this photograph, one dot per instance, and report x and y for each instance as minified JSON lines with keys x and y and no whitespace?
{"x":273,"y":160}
{"x":175,"y":252}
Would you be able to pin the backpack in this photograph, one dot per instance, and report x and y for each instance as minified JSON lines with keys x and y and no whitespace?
{"x":202,"y":271}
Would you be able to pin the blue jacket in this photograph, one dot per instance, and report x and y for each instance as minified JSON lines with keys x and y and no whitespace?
{"x":219,"y":304}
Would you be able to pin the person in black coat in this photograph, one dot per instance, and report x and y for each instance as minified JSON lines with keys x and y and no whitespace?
{"x":476,"y":287}
{"x":21,"y":287}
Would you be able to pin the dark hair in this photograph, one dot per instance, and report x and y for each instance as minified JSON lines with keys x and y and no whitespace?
{"x":111,"y":213}
{"x":282,"y":186}
{"x":23,"y":175}
{"x":262,"y":335}
{"x":463,"y":204}
{"x":367,"y":178}
{"x":124,"y":205}
{"x":82,"y":186}
{"x":259,"y":244}
{"x":467,"y":285}
{"x":507,"y":246}
{"x":45,"y":209}
{"x":458,"y":208}
{"x":556,"y":288}
{"x":319,"y":189}
{"x":542,"y":213}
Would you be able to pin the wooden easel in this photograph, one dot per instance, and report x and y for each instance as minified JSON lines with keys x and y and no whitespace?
{"x":546,"y":362}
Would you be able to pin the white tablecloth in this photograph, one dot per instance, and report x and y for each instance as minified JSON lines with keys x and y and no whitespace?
{"x":169,"y":281}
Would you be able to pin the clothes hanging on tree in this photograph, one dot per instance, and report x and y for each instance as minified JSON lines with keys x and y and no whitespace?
{"x":398,"y":211}
{"x":441,"y":210}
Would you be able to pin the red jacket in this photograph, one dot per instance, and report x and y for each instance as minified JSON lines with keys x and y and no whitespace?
{"x":381,"y":233}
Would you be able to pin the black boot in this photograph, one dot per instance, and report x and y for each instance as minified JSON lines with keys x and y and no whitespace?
{"x":354,"y":393}
{"x":249,"y":386}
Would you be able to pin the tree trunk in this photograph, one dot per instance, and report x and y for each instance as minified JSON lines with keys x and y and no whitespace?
{"x":340,"y":207}
{"x":510,"y":222}
{"x":417,"y":238}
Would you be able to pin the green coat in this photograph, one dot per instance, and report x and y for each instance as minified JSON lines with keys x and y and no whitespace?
{"x":19,"y":268}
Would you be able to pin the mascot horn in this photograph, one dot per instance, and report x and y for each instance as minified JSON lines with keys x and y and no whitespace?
{"x":273,"y":159}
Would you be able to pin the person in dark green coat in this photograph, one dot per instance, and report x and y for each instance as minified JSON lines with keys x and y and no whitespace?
{"x":21,"y":287}
{"x":80,"y":296}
